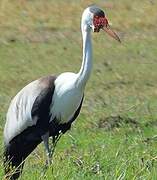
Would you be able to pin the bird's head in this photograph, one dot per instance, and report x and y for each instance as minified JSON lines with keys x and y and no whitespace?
{"x":94,"y":18}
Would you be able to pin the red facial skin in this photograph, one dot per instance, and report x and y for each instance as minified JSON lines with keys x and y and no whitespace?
{"x":99,"y":22}
{"x":102,"y":23}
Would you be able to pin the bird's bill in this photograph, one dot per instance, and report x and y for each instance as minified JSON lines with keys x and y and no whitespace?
{"x":111,"y":33}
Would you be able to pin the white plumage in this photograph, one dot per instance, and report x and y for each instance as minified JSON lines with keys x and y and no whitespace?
{"x":67,"y":97}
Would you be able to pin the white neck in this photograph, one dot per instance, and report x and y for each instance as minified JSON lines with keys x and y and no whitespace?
{"x":86,"y":66}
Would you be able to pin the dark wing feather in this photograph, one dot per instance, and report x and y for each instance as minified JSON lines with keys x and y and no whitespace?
{"x":41,"y":106}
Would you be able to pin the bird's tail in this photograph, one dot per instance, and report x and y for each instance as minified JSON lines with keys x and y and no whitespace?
{"x":13,"y":163}
{"x":17,"y":151}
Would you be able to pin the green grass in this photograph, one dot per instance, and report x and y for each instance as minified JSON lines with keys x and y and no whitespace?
{"x":43,"y":37}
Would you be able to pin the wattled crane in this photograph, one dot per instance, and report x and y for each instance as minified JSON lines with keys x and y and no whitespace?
{"x":47,"y":107}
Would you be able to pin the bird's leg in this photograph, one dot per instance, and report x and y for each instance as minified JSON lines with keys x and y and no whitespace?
{"x":55,"y":139}
{"x":50,"y":149}
{"x":45,"y":139}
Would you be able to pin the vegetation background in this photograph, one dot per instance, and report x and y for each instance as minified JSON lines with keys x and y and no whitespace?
{"x":115,"y":137}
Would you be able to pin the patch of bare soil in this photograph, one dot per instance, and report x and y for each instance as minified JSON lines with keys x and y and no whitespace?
{"x":112,"y":122}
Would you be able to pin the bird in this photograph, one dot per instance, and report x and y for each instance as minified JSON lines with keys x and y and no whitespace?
{"x":47,"y":107}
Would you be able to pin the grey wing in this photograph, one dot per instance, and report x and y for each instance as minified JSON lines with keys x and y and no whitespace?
{"x":30,"y":107}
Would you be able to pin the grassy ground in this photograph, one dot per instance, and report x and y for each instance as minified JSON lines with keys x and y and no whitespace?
{"x":115,"y":135}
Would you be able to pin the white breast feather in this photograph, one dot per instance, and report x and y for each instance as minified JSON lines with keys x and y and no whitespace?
{"x":66,"y":99}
